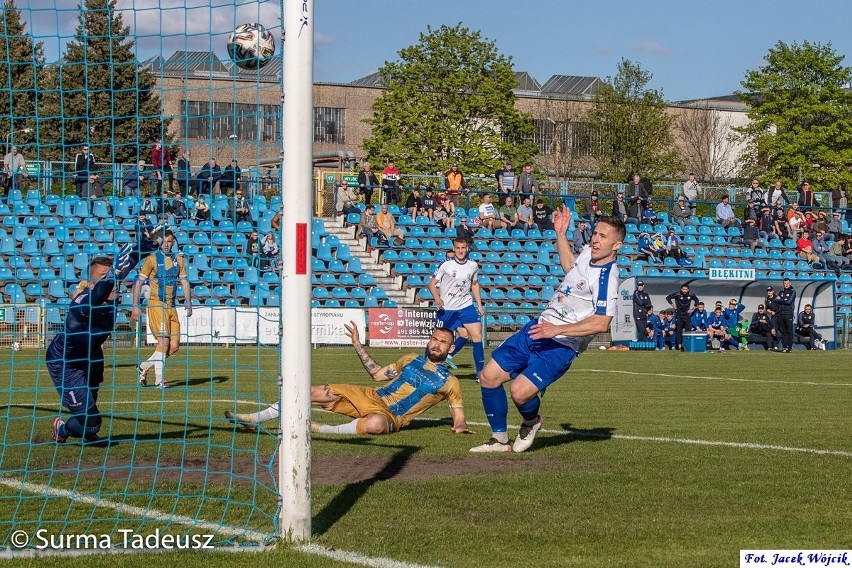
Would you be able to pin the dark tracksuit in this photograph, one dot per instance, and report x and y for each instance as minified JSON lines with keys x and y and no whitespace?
{"x":641,"y":304}
{"x":683,"y":304}
{"x":786,"y":300}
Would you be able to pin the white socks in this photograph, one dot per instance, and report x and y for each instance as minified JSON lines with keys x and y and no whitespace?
{"x":348,"y":428}
{"x":268,"y":413}
{"x":156,"y":360}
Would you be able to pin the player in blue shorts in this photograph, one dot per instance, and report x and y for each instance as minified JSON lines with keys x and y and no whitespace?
{"x":75,"y":357}
{"x":543,"y":350}
{"x":455,"y":288}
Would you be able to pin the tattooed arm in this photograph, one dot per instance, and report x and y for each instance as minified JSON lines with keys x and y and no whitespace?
{"x":376,"y":371}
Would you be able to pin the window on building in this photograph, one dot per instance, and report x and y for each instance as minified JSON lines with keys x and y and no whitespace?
{"x":219,"y":121}
{"x":584,"y":140}
{"x":328,"y":125}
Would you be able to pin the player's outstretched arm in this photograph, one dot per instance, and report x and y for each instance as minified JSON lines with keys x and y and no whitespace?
{"x":561,"y":222}
{"x":459,"y":421}
{"x":376,"y":371}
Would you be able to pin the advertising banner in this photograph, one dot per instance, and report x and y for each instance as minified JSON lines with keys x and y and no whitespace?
{"x":400,"y":327}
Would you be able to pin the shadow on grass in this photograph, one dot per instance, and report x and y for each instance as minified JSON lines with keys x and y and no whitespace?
{"x":571,"y":434}
{"x":346,"y":499}
{"x":201,"y":381}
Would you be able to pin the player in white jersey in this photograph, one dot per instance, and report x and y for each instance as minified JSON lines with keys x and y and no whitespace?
{"x":543,"y":350}
{"x":455,"y":288}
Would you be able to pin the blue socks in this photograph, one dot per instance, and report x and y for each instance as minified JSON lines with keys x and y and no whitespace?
{"x":457,"y":346}
{"x":74,"y":427}
{"x":529,"y":409}
{"x":496,"y":406}
{"x":478,"y":356}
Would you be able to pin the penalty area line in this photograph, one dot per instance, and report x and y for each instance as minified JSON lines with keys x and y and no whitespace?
{"x":734,"y":380}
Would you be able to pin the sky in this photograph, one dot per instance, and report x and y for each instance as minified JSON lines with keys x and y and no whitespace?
{"x":693,"y":49}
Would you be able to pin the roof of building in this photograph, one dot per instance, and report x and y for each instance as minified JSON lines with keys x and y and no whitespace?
{"x":571,"y":86}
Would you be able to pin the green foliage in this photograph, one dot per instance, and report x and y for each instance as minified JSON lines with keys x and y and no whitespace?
{"x":801,"y":121}
{"x":449,"y":98}
{"x":636,"y":132}
{"x":20,"y":68}
{"x":106,"y":99}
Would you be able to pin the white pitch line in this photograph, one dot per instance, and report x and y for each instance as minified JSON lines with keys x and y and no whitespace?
{"x":810,"y":383}
{"x":356,"y":558}
{"x":40,"y":489}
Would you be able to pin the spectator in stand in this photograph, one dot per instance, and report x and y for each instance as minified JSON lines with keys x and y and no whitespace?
{"x":96,"y":187}
{"x":385,"y":224}
{"x":428,"y":203}
{"x":699,"y":318}
{"x":646,"y":246}
{"x":442,"y":219}
{"x":525,"y":214}
{"x":755,"y":192}
{"x":776,"y":195}
{"x":230,"y":178}
{"x":786,"y":301}
{"x":269,"y":253}
{"x":752,"y":210}
{"x":808,"y":223}
{"x":15,"y":168}
{"x":636,"y":211}
{"x":581,"y":237}
{"x":526,"y":184}
{"x":187,"y":185}
{"x":684,"y":303}
{"x":506,"y":179}
{"x":795,"y":222}
{"x":161,"y":161}
{"x":133,"y":180}
{"x":836,"y":253}
{"x":821,"y":222}
{"x":367,"y":181}
{"x":641,"y":305}
{"x":839,"y":197}
{"x":805,"y":328}
{"x":765,"y":224}
{"x":673,"y":249}
{"x":202,"y":209}
{"x":820,"y":247}
{"x":638,"y":188}
{"x":593,"y":208}
{"x":276,"y":222}
{"x":807,"y":198}
{"x":691,"y":189}
{"x":751,"y":235}
{"x":414,"y":203}
{"x":834,"y":226}
{"x":649,"y":216}
{"x":805,"y":248}
{"x":780,"y":227}
{"x":465,"y":231}
{"x":655,"y":327}
{"x":725,"y":214}
{"x":682,"y":213}
{"x":390,"y":183}
{"x":345,"y":199}
{"x":84,"y":164}
{"x":509,"y":213}
{"x":239,"y":208}
{"x":488,"y":214}
{"x":454,"y":184}
{"x":251,"y":249}
{"x":761,"y":325}
{"x":367,"y":224}
{"x":208,"y":177}
{"x":619,"y":207}
{"x":177,"y":208}
{"x":542,"y":215}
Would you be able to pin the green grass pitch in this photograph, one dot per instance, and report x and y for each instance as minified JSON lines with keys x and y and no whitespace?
{"x":645,"y":459}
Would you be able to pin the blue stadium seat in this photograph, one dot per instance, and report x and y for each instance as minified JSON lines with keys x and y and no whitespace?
{"x":15,"y":293}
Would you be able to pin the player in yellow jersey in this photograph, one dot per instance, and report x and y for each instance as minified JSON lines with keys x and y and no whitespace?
{"x":416,"y":383}
{"x":163,"y":270}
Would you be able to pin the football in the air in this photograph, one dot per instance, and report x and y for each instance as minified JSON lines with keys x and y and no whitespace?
{"x":16,"y":346}
{"x":251,"y":46}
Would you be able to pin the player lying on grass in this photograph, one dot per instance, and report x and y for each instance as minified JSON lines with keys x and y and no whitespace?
{"x":417,"y":383}
{"x":75,"y":357}
{"x":543,"y":350}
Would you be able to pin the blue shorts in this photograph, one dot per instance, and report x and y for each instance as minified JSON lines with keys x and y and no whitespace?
{"x":454,"y":319}
{"x":542,"y":361}
{"x":72,"y":384}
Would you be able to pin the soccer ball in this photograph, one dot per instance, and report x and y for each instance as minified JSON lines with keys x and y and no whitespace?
{"x":251,"y":46}
{"x":16,"y":346}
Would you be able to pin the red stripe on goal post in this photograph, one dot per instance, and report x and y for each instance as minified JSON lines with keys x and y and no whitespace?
{"x":301,"y":248}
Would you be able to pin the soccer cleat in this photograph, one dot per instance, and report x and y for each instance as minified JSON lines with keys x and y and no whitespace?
{"x":492,"y":445}
{"x":315,"y":427}
{"x":143,"y":376}
{"x":55,"y":435}
{"x":478,"y":376}
{"x":246,"y":422}
{"x":787,"y":350}
{"x":526,"y":435}
{"x":164,"y":385}
{"x":451,"y":364}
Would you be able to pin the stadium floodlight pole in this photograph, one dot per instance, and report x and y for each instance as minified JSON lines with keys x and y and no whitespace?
{"x":294,"y":457}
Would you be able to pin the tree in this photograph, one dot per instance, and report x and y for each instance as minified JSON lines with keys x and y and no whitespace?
{"x":709,"y":143}
{"x":635,"y":130}
{"x":20,"y":71}
{"x":801,"y":116}
{"x":449,"y":98}
{"x":106,"y":98}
